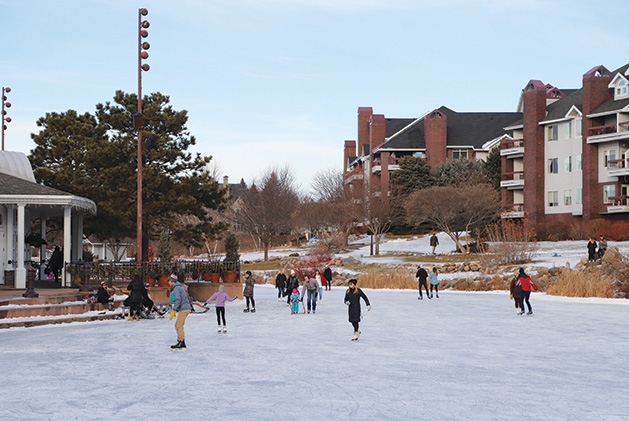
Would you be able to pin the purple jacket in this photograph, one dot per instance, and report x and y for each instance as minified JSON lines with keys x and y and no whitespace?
{"x":220,"y":297}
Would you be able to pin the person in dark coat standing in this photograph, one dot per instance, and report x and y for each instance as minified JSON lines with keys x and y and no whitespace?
{"x":291,"y":283}
{"x":327,"y":274}
{"x":137,"y":292}
{"x":280,"y":284}
{"x":422,"y":276}
{"x":352,"y":299}
{"x":592,"y":250}
{"x":434,"y":242}
{"x":248,"y":293}
{"x":56,"y":263}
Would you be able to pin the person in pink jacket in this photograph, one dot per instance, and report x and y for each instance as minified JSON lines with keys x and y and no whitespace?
{"x":526,"y":283}
{"x":220,"y":297}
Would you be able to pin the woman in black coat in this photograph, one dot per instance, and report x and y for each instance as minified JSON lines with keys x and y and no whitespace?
{"x":352,"y":299}
{"x":137,"y":292}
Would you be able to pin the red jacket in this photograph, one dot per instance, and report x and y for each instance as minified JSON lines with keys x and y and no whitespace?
{"x":526,"y":283}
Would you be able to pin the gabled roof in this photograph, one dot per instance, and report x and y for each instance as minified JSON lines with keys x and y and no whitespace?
{"x":611,"y":105}
{"x":559,"y":109}
{"x":464,"y":129}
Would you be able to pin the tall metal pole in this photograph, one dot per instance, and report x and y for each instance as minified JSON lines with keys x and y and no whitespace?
{"x":139,"y":120}
{"x":3,"y":114}
{"x":139,"y":125}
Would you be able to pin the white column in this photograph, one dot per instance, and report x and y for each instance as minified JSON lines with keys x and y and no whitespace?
{"x":67,"y":244}
{"x":10,"y":235}
{"x":42,"y":251}
{"x":20,"y":271}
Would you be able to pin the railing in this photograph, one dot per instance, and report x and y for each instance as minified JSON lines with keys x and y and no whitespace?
{"x":605,"y":129}
{"x":618,"y":200}
{"x":616,"y":164}
{"x":110,"y":272}
{"x":511,"y":143}
{"x":515,"y":175}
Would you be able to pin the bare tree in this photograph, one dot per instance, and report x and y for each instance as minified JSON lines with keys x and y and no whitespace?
{"x":268,"y":206}
{"x":340,"y":209}
{"x":376,"y":215}
{"x":455,"y":209}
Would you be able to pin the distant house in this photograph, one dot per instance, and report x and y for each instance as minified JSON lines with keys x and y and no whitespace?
{"x":23,"y":201}
{"x":437,"y":136}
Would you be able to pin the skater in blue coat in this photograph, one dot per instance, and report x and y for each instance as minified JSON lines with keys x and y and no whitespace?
{"x":294,"y":301}
{"x":352,"y":299}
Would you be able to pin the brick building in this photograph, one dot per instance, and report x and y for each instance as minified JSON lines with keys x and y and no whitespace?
{"x":566,"y":160}
{"x":564,"y":152}
{"x":437,"y":136}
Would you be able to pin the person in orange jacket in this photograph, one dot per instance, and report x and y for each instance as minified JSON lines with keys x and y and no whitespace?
{"x":526,"y":283}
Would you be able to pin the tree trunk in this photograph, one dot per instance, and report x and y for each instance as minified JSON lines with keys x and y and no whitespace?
{"x":266,"y":251}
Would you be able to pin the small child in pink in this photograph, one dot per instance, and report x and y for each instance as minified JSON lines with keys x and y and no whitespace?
{"x":220,"y":297}
{"x":294,"y":302}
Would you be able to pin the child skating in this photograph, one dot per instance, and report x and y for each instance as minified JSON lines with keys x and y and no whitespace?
{"x":220,"y":297}
{"x":294,"y":301}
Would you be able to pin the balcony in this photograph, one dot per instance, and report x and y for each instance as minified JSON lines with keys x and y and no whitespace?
{"x":377,"y":165}
{"x":512,"y":180}
{"x":513,"y":211}
{"x":617,"y":167}
{"x":608,"y":132}
{"x":353,"y":175}
{"x":619,"y":204}
{"x":512,"y":148}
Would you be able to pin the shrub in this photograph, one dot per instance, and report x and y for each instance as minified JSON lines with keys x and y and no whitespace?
{"x":398,"y":278}
{"x":581,"y":283}
{"x":511,"y":244}
{"x":615,"y":231}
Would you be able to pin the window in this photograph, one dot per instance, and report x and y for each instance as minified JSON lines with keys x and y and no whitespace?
{"x":459,"y":154}
{"x":567,"y":130}
{"x":621,"y":89}
{"x":579,"y":197}
{"x":567,"y":197}
{"x":553,"y":133}
{"x":553,"y":166}
{"x":567,"y":164}
{"x":609,"y":191}
{"x":553,"y":198}
{"x":610,"y":155}
{"x":577,"y":160}
{"x":577,"y":127}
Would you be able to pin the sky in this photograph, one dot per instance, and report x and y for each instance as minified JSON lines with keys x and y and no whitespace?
{"x":276,"y":83}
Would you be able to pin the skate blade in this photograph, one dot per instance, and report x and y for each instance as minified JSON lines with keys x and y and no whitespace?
{"x":178,"y":349}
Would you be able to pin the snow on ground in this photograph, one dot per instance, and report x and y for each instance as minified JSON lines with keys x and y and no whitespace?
{"x":461,"y":356}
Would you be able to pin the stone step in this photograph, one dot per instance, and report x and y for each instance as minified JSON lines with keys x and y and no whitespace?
{"x":57,"y":309}
{"x":8,"y":323}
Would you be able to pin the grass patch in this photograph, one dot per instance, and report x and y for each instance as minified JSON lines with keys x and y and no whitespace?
{"x":577,"y":283}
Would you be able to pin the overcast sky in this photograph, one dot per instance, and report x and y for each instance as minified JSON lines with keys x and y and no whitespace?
{"x":278,"y":82}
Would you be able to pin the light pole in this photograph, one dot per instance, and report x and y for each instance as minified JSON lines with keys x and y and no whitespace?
{"x":138,"y":118}
{"x":5,"y":119}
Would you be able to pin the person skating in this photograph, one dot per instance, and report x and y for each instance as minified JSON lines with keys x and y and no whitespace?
{"x":327,"y":274}
{"x":352,"y":299}
{"x":294,"y":301}
{"x":320,"y":282}
{"x":220,"y":297}
{"x":310,"y":289}
{"x":526,"y":283}
{"x":134,"y":301}
{"x":434,"y":281}
{"x":248,"y":293}
{"x":181,"y":306}
{"x":422,"y":276}
{"x":291,"y":283}
{"x":515,"y":291}
{"x":280,"y":284}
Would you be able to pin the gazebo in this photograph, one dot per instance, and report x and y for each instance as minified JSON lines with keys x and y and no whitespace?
{"x":22,"y":201}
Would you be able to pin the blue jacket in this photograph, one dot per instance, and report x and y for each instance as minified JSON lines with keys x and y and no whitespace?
{"x":179,"y":295}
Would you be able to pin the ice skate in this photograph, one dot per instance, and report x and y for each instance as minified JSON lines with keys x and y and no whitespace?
{"x":220,"y":329}
{"x":181,"y":346}
{"x":224,"y":329}
{"x":246,"y":310}
{"x":530,"y":313}
{"x":253,"y":310}
{"x":355,"y":337}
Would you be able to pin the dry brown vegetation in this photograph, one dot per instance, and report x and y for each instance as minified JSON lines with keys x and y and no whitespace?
{"x":579,"y":283}
{"x":398,"y":278}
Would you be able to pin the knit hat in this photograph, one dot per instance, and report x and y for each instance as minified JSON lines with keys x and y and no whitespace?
{"x":352,"y":281}
{"x":248,"y":272}
{"x":294,"y":290}
{"x":521,"y":271}
{"x":172,"y":277}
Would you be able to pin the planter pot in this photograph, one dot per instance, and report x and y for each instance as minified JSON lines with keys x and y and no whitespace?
{"x":162,"y":281}
{"x":211,"y":277}
{"x":229,"y":276}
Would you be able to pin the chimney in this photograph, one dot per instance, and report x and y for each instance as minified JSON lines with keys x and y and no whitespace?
{"x":348,"y":153}
{"x":377,"y":131}
{"x":364,"y":118}
{"x":435,"y":138}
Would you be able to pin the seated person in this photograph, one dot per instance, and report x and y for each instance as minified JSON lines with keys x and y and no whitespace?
{"x":102,"y":296}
